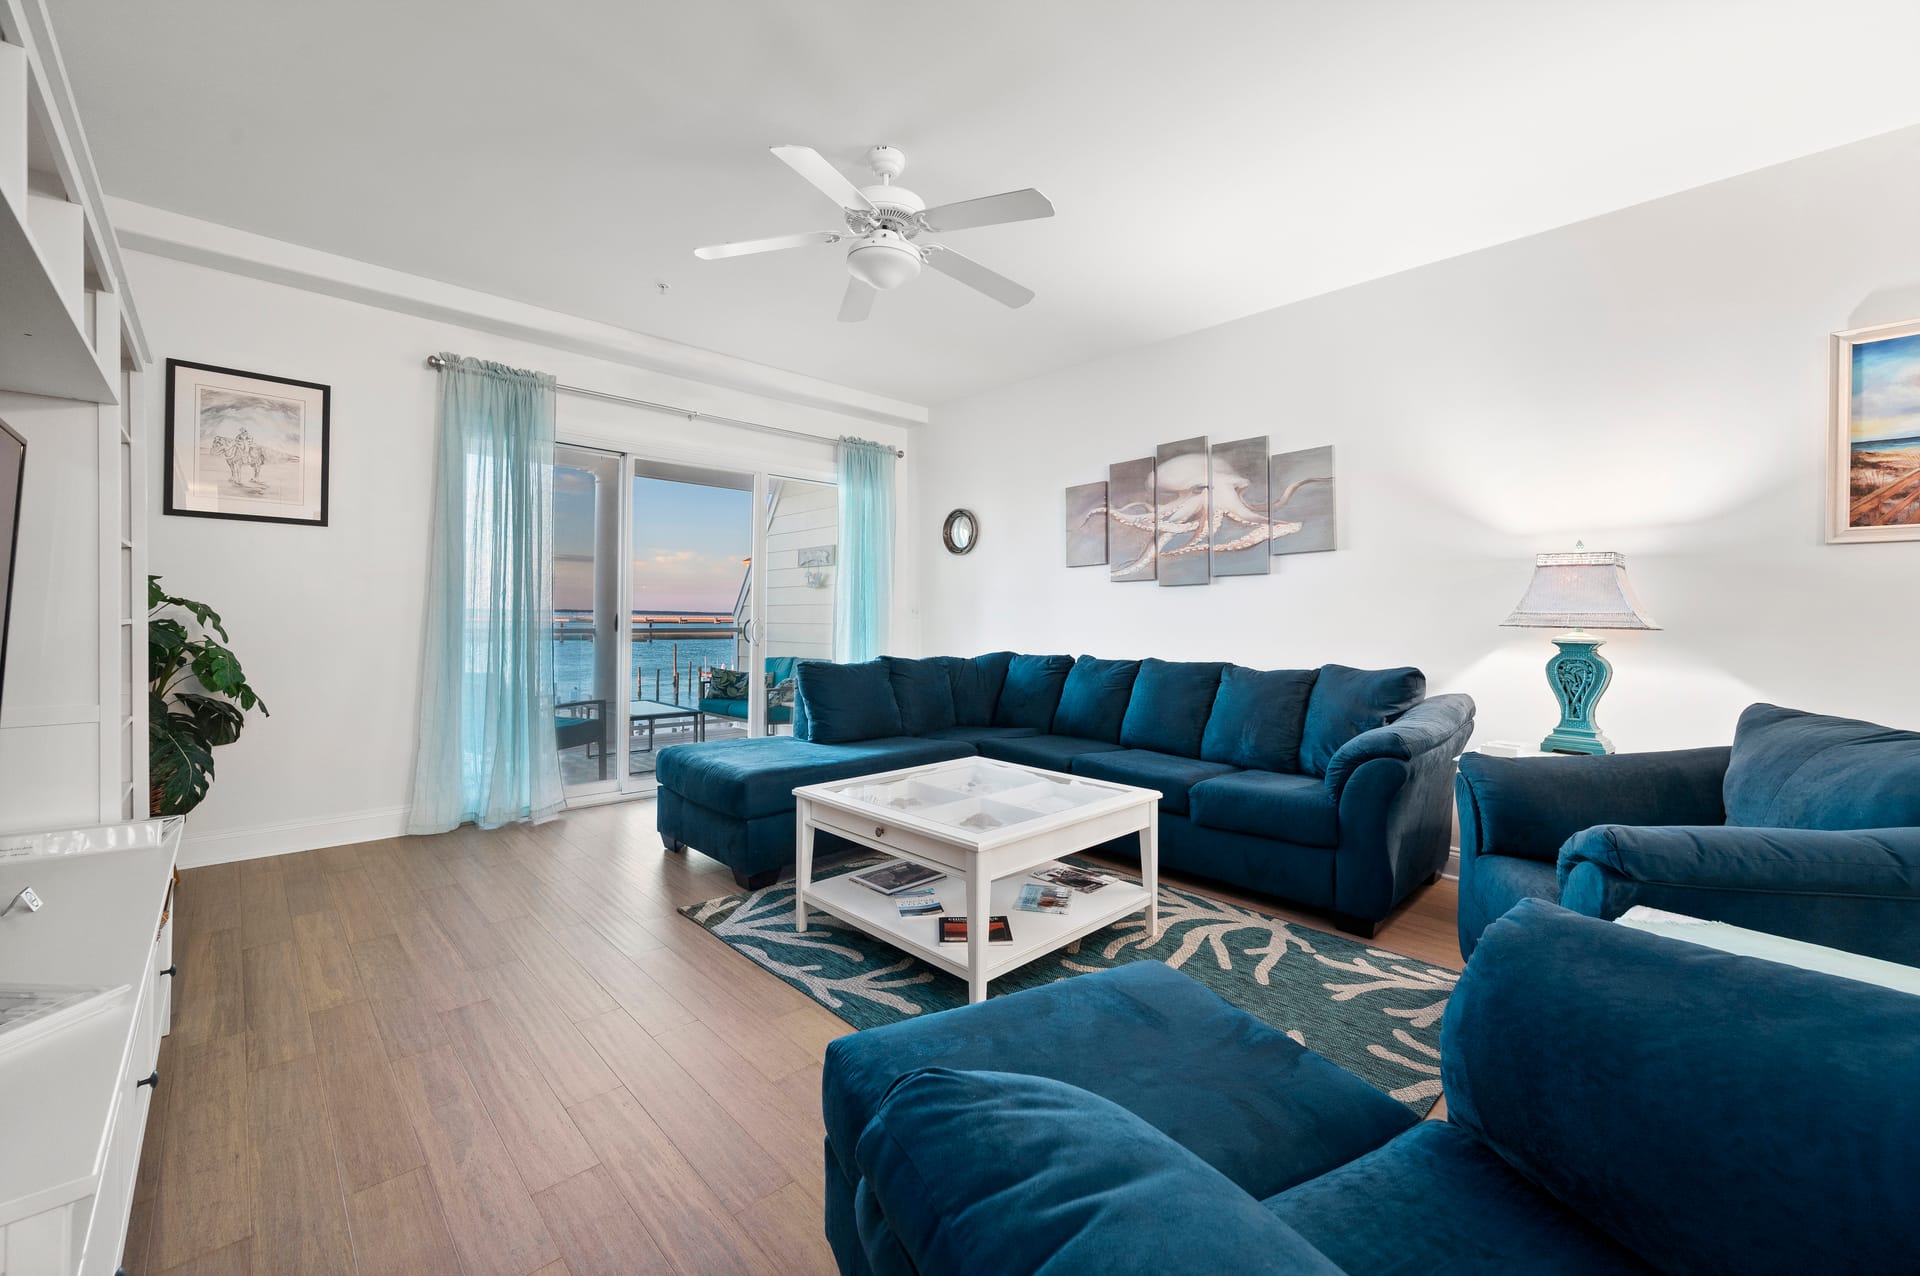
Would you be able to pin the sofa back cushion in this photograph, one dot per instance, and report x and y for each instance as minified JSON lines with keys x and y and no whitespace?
{"x":1795,"y":770}
{"x":845,"y":703}
{"x":1346,"y":702}
{"x":1170,"y":706}
{"x":1710,"y":1112}
{"x":1094,"y":698}
{"x":1031,"y":691}
{"x":1258,"y":718}
{"x":976,"y":686}
{"x":924,"y":691}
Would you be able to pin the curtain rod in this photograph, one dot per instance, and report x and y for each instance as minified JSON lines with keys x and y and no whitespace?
{"x":435,"y":361}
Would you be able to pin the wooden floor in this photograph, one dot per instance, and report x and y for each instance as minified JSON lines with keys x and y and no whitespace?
{"x":495,"y":1053}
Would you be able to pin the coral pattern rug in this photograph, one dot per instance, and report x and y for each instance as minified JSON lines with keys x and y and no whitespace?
{"x":1373,"y":1012}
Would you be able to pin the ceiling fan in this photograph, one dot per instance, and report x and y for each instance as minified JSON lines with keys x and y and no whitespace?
{"x":885,"y":223}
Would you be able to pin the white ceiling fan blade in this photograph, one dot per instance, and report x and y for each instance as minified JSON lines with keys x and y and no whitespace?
{"x":826,"y":179}
{"x":990,"y":210}
{"x":858,"y":303}
{"x":740,"y":248}
{"x":974,"y":275}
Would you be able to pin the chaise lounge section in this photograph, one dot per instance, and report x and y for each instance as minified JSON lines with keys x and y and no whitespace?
{"x":1327,"y":787}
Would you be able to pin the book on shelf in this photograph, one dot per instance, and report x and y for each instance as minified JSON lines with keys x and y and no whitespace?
{"x":1038,"y":898}
{"x":953,"y":930}
{"x":1073,"y":877}
{"x":918,"y":903}
{"x":895,"y":876}
{"x":29,"y":1012}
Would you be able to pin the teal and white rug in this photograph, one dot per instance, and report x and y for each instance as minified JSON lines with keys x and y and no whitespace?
{"x":1373,"y":1012}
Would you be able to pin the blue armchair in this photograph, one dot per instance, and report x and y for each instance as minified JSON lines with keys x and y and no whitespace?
{"x":1807,"y":827}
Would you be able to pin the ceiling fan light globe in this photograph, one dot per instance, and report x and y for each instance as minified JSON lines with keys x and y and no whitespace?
{"x":884,"y":261}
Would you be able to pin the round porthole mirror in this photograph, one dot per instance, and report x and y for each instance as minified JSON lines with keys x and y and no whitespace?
{"x":961,"y":533}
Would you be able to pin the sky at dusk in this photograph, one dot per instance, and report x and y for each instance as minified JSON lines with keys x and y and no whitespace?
{"x":690,"y":543}
{"x":1886,"y":389}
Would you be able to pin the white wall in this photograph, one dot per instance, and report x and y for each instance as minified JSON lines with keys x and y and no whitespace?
{"x":1653,"y":381}
{"x":328,"y":621}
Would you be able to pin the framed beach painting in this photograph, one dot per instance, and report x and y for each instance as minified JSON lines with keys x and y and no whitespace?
{"x":244,"y":445}
{"x":1874,"y":476}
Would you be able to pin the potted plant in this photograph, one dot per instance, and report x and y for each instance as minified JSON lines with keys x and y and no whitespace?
{"x":198,"y":698}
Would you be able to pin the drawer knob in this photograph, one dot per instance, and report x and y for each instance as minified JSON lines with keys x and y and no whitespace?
{"x":879,"y":830}
{"x":172,"y":970}
{"x":152,"y":1079}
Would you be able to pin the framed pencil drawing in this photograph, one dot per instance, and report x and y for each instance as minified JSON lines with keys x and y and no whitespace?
{"x":244,"y":445}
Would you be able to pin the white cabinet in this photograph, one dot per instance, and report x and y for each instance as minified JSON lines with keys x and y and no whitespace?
{"x":75,"y":1108}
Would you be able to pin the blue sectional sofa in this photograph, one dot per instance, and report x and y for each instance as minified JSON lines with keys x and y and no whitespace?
{"x":1808,"y":826}
{"x":1327,"y":787}
{"x":1617,"y":1102}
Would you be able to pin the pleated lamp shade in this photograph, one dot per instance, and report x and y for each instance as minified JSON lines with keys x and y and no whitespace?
{"x":1581,"y":590}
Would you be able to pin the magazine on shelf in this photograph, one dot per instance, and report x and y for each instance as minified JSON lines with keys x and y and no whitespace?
{"x":1073,"y":877}
{"x":953,"y":930}
{"x":918,"y":903}
{"x":1035,"y":898}
{"x":895,"y":876}
{"x":29,"y":1012}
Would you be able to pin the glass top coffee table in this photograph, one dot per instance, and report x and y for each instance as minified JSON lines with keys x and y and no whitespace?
{"x":986,"y":825}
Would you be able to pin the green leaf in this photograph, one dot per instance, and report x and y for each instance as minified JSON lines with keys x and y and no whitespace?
{"x":181,"y":761}
{"x":219,"y":722}
{"x":166,"y":639}
{"x":155,"y":594}
{"x":217,"y":668}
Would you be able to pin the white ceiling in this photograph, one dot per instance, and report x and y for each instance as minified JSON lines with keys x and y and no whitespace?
{"x":1208,"y":159}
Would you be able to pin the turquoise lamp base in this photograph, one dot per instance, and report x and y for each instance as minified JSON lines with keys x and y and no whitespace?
{"x":1579,"y":676}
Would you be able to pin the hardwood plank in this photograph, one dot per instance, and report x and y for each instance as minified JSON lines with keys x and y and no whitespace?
{"x":597,"y":1231}
{"x":812,"y":1028}
{"x":689,"y":1223}
{"x":134,"y":1256}
{"x":480,"y":944}
{"x":233,"y":1260}
{"x":571,"y":1066}
{"x":390,"y":882}
{"x":490,"y":892}
{"x":208,"y":900}
{"x":441,"y":978}
{"x":358,"y":905}
{"x":652,"y":1007}
{"x":264,"y":918}
{"x":205,"y":1197}
{"x":771,"y":1053}
{"x":338,"y":859}
{"x":210,"y":993}
{"x":790,"y":1223}
{"x":306,"y":884}
{"x":695,"y":958}
{"x":723,"y":1154}
{"x":536,"y":1129}
{"x":573,"y":988}
{"x":764,"y":1108}
{"x":408,"y":1023}
{"x":325,"y":962}
{"x":299,"y":1217}
{"x":399,"y":1229}
{"x":492,"y":1220}
{"x":277,"y":1028}
{"x":373,"y":1137}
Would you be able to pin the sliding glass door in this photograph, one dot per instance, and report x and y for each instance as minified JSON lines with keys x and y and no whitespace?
{"x":588,"y":607}
{"x":801,"y":553}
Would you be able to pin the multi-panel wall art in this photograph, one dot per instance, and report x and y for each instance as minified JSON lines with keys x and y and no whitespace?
{"x":1193,"y":512}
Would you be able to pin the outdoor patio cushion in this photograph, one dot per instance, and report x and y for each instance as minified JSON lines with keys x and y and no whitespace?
{"x":1032,"y":691}
{"x":1048,"y":752}
{"x":1347,"y":701}
{"x":1807,"y":771}
{"x":749,"y":778}
{"x":1173,"y":776}
{"x":976,"y":686}
{"x":1095,"y":698}
{"x":1293,"y":808}
{"x":728,"y":684}
{"x":1170,"y":705}
{"x":924,"y":691}
{"x":847,"y":703}
{"x":1258,"y":718}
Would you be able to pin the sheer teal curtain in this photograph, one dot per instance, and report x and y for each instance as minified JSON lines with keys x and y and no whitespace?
{"x":487,"y":752}
{"x":864,"y":599}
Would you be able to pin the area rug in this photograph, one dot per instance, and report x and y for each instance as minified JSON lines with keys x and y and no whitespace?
{"x":1374,"y":1012}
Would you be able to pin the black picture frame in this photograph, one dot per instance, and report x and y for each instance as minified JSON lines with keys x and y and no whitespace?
{"x":171,"y":506}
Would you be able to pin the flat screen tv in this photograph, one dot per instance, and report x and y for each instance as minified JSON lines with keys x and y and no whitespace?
{"x":13,"y":464}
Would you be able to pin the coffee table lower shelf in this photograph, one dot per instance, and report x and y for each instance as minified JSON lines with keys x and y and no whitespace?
{"x":1034,"y":934}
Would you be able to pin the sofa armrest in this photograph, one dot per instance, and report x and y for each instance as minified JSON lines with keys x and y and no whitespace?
{"x":1427,"y":726}
{"x":1529,"y":807}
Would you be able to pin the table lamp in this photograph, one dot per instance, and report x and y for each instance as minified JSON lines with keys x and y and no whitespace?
{"x":1577,"y":592}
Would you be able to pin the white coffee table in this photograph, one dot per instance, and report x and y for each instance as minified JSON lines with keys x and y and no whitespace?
{"x":1752,"y":943}
{"x":985,"y":824}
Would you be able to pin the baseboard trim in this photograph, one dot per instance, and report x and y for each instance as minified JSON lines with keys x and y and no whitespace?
{"x":230,"y":845}
{"x":1453,"y":865}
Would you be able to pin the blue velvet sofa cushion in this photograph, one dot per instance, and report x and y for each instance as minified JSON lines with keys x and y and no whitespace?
{"x":1171,"y":775}
{"x":976,"y":686}
{"x":847,"y":703}
{"x":923,"y":690}
{"x":1031,"y":691}
{"x":1241,"y":1096}
{"x":749,"y":778}
{"x":1258,"y":718}
{"x":1436,"y":1199}
{"x":977,"y":736}
{"x":1067,"y":1182}
{"x":1094,"y":698}
{"x":1293,"y":808}
{"x":1711,"y":1113}
{"x":1170,"y":706}
{"x":1048,"y":752}
{"x":1347,"y":701}
{"x":1806,"y":771}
